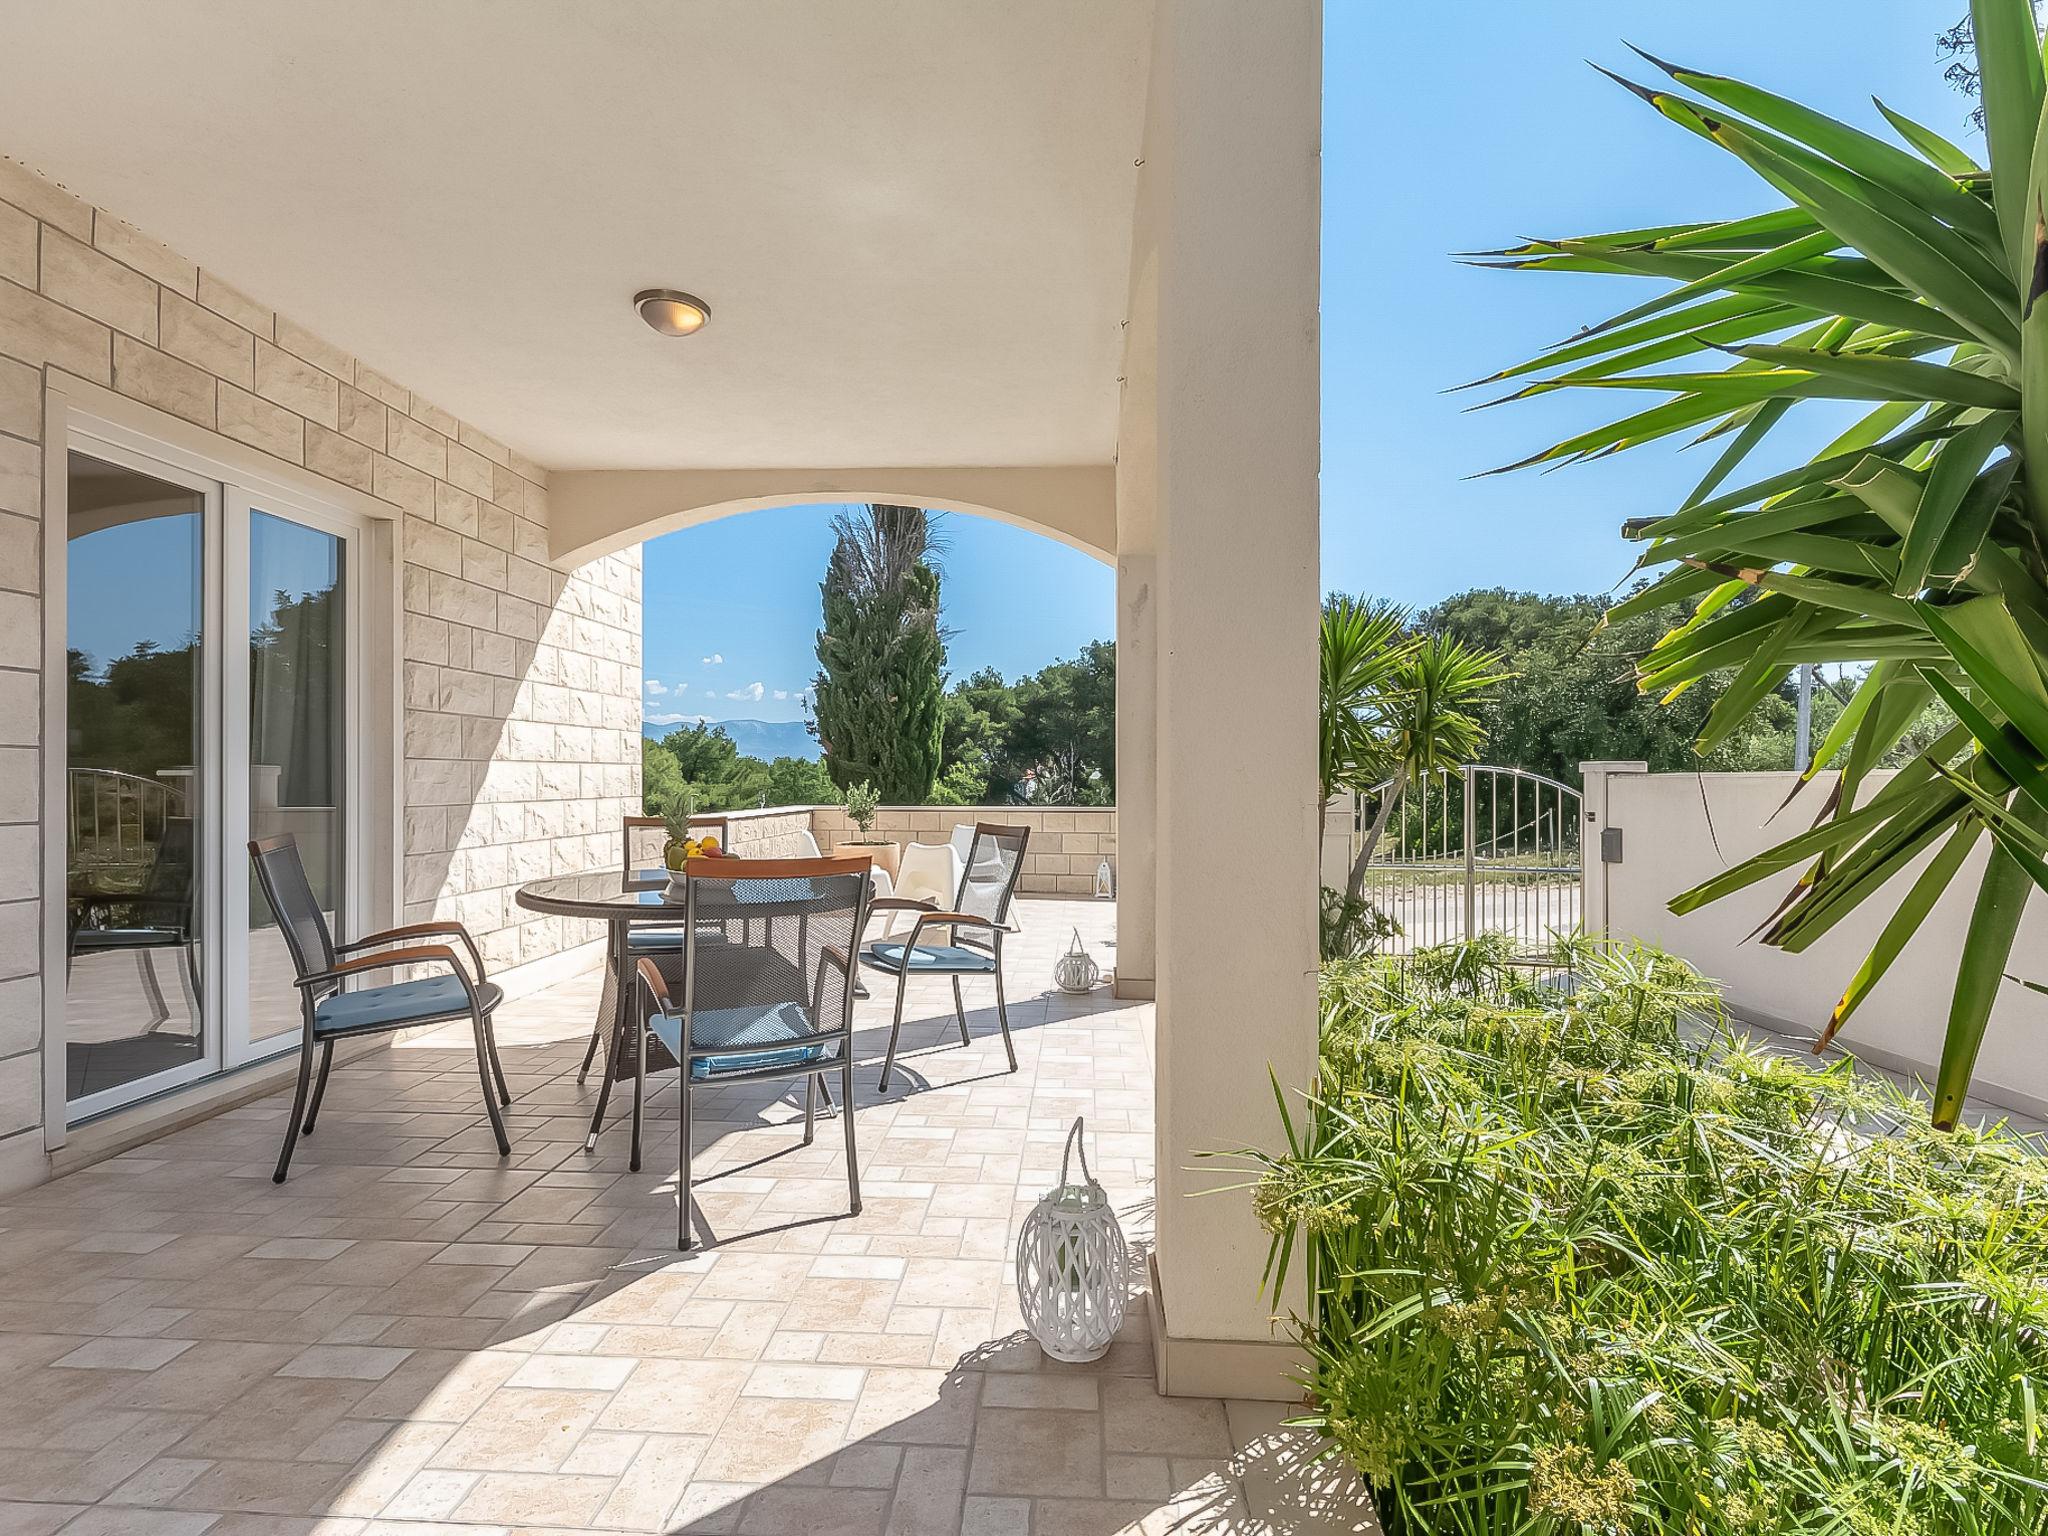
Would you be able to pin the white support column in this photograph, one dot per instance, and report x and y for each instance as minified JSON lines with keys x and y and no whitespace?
{"x":1231,"y":215}
{"x":1137,"y":630}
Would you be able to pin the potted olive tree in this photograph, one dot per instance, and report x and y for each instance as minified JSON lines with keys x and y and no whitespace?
{"x":862,"y":806}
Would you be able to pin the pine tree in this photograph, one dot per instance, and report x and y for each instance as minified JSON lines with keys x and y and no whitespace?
{"x":881,"y":655}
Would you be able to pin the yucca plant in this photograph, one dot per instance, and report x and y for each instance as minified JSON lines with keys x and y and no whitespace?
{"x":1904,"y":278}
{"x":1430,"y":726}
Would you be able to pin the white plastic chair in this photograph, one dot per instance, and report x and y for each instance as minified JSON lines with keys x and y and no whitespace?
{"x":880,"y":884}
{"x":930,"y":872}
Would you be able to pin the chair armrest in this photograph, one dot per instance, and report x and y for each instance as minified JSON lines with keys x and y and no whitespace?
{"x":938,"y":919}
{"x":837,"y":956}
{"x":900,"y":904}
{"x":419,"y":930}
{"x":651,"y":977}
{"x":419,"y":954}
{"x":949,"y":920}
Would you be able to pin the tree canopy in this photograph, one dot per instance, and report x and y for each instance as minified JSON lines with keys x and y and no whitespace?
{"x":881,"y":656}
{"x":1049,"y":738}
{"x":705,"y":758}
{"x":1574,"y":698}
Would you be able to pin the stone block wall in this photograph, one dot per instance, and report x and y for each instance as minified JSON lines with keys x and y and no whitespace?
{"x":521,"y":685}
{"x":776,"y":833}
{"x":1067,"y":843}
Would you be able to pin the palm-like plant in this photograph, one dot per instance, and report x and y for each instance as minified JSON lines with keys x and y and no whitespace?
{"x":1396,"y":708}
{"x":1363,"y":646}
{"x":1913,"y":542}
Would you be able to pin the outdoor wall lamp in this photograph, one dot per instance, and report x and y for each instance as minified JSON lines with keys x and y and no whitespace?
{"x":670,"y":311}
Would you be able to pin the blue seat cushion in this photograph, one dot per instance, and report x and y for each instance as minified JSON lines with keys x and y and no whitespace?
{"x":399,"y":1004}
{"x":931,"y":957}
{"x":671,"y":938}
{"x":761,"y":1025}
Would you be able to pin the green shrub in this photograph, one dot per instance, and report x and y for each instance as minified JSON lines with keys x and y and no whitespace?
{"x":1351,"y":926}
{"x":1581,"y":1259}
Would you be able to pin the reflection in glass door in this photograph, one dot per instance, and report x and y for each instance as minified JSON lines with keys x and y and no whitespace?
{"x":298,"y":712}
{"x":136,"y":783}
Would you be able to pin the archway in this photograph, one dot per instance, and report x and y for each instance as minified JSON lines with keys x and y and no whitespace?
{"x":595,"y":512}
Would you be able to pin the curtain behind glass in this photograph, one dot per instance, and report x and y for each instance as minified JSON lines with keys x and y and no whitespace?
{"x":296,"y":693}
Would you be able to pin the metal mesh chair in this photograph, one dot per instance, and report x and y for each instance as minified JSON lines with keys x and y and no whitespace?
{"x":974,"y":928}
{"x":761,"y":1011}
{"x":641,"y":841}
{"x":332,"y":1012}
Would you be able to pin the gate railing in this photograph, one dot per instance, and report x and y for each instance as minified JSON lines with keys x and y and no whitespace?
{"x":1481,"y":849}
{"x":115,"y":820}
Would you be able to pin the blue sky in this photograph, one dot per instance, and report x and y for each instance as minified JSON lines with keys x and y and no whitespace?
{"x":1439,"y":137}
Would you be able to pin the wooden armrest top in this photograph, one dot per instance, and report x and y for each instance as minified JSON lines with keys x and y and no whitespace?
{"x":385,"y":959}
{"x":404,"y":931}
{"x":933,"y":918}
{"x":900,"y":904}
{"x":656,"y":984}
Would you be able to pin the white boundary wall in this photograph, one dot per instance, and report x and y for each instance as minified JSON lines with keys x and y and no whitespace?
{"x":1678,"y":829}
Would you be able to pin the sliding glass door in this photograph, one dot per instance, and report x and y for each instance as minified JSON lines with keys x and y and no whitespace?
{"x":297,"y":716}
{"x":139,"y":807}
{"x":210,"y":699}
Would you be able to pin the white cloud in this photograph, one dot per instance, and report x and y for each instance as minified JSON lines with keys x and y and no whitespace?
{"x":781,"y":695}
{"x":671,"y":718}
{"x":655,"y":687}
{"x":714,"y":660}
{"x":751,"y":693}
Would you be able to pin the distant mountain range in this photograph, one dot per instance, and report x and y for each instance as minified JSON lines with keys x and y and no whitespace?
{"x":765,"y":739}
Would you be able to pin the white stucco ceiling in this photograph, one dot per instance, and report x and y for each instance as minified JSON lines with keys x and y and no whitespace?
{"x":911,"y":218}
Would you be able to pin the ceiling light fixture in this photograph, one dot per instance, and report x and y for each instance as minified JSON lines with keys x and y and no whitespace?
{"x":671,"y":311}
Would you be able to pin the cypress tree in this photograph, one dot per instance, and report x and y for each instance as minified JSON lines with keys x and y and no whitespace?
{"x":881,"y":655}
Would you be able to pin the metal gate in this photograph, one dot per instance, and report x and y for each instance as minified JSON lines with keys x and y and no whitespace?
{"x":1475,"y":850}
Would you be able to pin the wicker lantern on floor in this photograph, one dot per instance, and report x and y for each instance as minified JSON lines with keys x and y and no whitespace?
{"x":1071,"y":1266}
{"x":1076,"y":970}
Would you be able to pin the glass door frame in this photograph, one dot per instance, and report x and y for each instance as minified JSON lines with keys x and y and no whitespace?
{"x":208,"y":858}
{"x":232,"y":494}
{"x":242,"y":504}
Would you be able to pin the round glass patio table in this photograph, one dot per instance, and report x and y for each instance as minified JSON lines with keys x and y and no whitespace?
{"x":620,"y":900}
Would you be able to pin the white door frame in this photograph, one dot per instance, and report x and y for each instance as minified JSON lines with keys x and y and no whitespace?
{"x":233,"y":485}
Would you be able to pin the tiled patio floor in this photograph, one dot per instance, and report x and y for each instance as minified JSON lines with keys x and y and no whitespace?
{"x":411,"y":1336}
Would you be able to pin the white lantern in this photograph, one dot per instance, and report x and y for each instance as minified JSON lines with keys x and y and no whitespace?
{"x":1076,"y":970}
{"x":1072,"y":1265}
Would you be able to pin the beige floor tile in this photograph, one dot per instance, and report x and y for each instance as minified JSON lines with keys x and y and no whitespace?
{"x":590,"y":1373}
{"x":430,"y":1495}
{"x":1137,"y":1420}
{"x":675,"y":1397}
{"x":815,"y":1512}
{"x":353,"y":1362}
{"x":520,"y":1430}
{"x":123,"y":1354}
{"x":534,"y":1498}
{"x":916,"y":1407}
{"x":981,"y":1515}
{"x":791,"y":1380}
{"x":1052,"y":1388}
{"x":1036,"y":1451}
{"x":762,"y":1439}
{"x":654,"y":1482}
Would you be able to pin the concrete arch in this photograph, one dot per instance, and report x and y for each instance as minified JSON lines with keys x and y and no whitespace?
{"x":594,"y":512}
